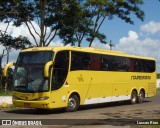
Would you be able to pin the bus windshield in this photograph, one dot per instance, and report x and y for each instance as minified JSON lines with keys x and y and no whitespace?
{"x":40,"y":57}
{"x":28,"y":74}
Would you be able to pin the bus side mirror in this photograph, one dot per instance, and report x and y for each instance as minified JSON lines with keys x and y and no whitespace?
{"x":46,"y":68}
{"x":5,"y":72}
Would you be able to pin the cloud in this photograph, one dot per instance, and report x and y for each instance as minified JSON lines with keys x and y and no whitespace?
{"x":151,"y":27}
{"x":99,"y":45}
{"x":23,"y":30}
{"x":133,"y":45}
{"x":14,"y":32}
{"x":131,"y":37}
{"x":56,"y":43}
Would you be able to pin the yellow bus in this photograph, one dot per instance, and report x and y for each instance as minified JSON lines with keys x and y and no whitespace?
{"x":67,"y":77}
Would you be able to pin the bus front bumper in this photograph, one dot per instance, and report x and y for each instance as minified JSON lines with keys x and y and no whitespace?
{"x":45,"y":104}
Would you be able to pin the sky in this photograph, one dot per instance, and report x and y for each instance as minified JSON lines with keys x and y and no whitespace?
{"x":142,"y":38}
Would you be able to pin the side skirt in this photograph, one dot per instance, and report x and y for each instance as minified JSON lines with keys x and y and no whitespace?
{"x":106,"y":99}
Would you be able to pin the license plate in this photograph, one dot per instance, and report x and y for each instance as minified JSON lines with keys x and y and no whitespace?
{"x":27,"y":105}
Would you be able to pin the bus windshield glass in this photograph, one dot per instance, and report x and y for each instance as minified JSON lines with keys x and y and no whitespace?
{"x":28,"y":74}
{"x":35,"y":57}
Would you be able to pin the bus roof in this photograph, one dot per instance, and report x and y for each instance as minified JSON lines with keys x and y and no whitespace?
{"x":84,"y":49}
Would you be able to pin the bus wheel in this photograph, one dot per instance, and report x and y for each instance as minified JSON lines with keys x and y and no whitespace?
{"x":141,"y":96}
{"x":133,"y":97}
{"x":73,"y":103}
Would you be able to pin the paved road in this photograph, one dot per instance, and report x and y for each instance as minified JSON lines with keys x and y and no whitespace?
{"x":109,"y":114}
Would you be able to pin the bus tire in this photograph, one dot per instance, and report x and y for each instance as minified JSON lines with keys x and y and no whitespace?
{"x":141,"y":96}
{"x":134,"y":97}
{"x":73,"y":103}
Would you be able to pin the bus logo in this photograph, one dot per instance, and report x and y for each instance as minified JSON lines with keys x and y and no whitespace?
{"x":6,"y":122}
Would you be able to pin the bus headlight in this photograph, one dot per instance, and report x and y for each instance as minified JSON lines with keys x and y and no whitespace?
{"x":43,"y":98}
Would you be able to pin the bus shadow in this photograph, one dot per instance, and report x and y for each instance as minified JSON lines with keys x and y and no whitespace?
{"x":29,"y":111}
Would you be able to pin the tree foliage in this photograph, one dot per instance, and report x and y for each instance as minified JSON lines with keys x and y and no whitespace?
{"x":8,"y":14}
{"x":9,"y":43}
{"x":53,"y":17}
{"x":100,"y":10}
{"x":91,"y":14}
{"x":73,"y":21}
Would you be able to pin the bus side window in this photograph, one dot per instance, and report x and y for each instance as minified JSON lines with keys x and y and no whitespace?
{"x":138,"y":67}
{"x":104,"y":64}
{"x":148,"y":65}
{"x":131,"y":65}
{"x":123,"y":64}
{"x":95,"y":62}
{"x":80,"y":61}
{"x":86,"y":62}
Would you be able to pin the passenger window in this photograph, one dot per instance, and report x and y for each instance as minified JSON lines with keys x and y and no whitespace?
{"x":104,"y":64}
{"x":80,"y":61}
{"x":95,"y":62}
{"x":101,"y":62}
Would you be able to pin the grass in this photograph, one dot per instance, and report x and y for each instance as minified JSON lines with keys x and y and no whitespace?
{"x":7,"y":93}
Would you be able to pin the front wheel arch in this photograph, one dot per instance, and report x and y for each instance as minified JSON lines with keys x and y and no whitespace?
{"x":73,"y":102}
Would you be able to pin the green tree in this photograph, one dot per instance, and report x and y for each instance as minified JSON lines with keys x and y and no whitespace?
{"x":97,"y":11}
{"x":91,"y":14}
{"x":54,"y":18}
{"x":8,"y":14}
{"x":9,"y":43}
{"x":73,"y":21}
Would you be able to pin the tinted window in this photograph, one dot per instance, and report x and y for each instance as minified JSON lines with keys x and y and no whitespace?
{"x":140,"y":65}
{"x":149,"y":65}
{"x":91,"y":61}
{"x":34,"y":57}
{"x":114,"y":63}
{"x":80,"y":61}
{"x":95,"y":62}
{"x":123,"y":63}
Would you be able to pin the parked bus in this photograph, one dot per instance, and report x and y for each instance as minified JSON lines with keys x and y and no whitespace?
{"x":67,"y":77}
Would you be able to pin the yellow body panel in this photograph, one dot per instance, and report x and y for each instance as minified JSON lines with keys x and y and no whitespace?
{"x":20,"y":99}
{"x":96,"y":85}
